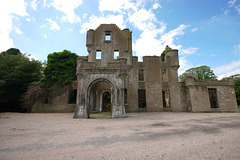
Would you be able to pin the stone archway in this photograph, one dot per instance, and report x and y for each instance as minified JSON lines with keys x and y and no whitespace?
{"x":88,"y":99}
{"x":95,"y":91}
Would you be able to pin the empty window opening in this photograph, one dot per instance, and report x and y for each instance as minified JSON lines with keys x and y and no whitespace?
{"x":72,"y":97}
{"x":140,"y":74}
{"x":125,"y":96}
{"x":142,"y":98}
{"x":164,"y":75}
{"x":98,"y":54}
{"x":106,"y":102}
{"x":166,"y":98}
{"x":116,"y":54}
{"x":212,"y":93}
{"x":163,"y":58}
{"x":107,"y":36}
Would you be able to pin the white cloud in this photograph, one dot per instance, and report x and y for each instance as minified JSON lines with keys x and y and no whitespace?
{"x":188,"y":51}
{"x":34,"y":5}
{"x":28,"y":19}
{"x":233,"y":4}
{"x":45,"y":36}
{"x":236,"y":49}
{"x":156,"y":6}
{"x":31,"y":57}
{"x":53,"y":25}
{"x":168,"y":38}
{"x":18,"y":31}
{"x":7,"y":10}
{"x":227,"y":69}
{"x":194,"y":29}
{"x":149,"y":44}
{"x":142,"y":19}
{"x":115,"y":5}
{"x":84,"y":15}
{"x":94,"y":22}
{"x":67,"y":7}
{"x":184,"y":65}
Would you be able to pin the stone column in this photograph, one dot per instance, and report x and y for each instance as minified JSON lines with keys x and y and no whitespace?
{"x":81,"y":110}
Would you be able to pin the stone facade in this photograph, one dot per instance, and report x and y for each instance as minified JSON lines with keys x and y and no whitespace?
{"x":111,"y":79}
{"x":151,"y":85}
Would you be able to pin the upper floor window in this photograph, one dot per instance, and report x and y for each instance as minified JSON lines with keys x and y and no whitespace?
{"x":164,"y":75}
{"x":140,"y":74}
{"x":107,"y":36}
{"x":116,"y":54}
{"x":98,"y":54}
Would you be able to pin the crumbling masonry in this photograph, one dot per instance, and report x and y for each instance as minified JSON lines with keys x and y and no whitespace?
{"x":151,"y":85}
{"x":111,"y":79}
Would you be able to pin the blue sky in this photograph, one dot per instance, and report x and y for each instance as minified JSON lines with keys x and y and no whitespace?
{"x":206,"y":32}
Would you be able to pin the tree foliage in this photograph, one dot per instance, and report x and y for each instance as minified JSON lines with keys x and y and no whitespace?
{"x":60,"y":69}
{"x":199,"y":73}
{"x":236,"y":79}
{"x":17,"y":72}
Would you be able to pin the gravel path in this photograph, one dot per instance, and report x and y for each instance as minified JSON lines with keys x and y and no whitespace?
{"x":139,"y":136}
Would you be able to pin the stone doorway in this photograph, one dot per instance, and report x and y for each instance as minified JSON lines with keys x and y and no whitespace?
{"x":106,"y":105}
{"x":100,"y":96}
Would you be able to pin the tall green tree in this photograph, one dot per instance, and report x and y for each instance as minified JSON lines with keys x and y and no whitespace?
{"x":60,"y":68}
{"x":236,"y":79}
{"x":17,"y":72}
{"x":199,"y":73}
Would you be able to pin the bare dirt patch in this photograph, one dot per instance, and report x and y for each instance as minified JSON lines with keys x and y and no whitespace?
{"x":139,"y":136}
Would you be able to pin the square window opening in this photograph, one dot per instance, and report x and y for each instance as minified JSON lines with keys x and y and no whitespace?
{"x":98,"y":54}
{"x":108,"y":37}
{"x":164,"y":75}
{"x":140,"y":74}
{"x":72,"y":97}
{"x":116,"y":54}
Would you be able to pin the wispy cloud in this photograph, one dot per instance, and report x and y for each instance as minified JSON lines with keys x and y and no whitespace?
{"x":143,"y":19}
{"x":18,"y":31}
{"x":34,"y":4}
{"x":53,"y":25}
{"x":95,"y":21}
{"x":227,"y":69}
{"x":184,"y":65}
{"x":67,"y":7}
{"x":234,"y":4}
{"x":236,"y":50}
{"x":115,"y":5}
{"x":194,"y":29}
{"x":188,"y":51}
{"x":7,"y":9}
{"x":156,"y":6}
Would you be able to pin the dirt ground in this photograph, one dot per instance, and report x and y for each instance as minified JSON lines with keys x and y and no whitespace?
{"x":139,"y":136}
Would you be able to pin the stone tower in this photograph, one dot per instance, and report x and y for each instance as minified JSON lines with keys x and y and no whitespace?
{"x":104,"y":70}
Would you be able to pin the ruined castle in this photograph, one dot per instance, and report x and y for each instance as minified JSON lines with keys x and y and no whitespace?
{"x":111,"y":79}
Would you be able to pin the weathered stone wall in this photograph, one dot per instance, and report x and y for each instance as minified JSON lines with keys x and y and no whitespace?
{"x":106,"y":68}
{"x":156,"y":76}
{"x":185,"y":98}
{"x":121,"y":40}
{"x":199,"y":95}
{"x":57,"y":102}
{"x":132,"y":87}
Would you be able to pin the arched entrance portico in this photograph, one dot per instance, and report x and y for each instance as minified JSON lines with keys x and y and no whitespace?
{"x":100,"y":96}
{"x":90,"y":98}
